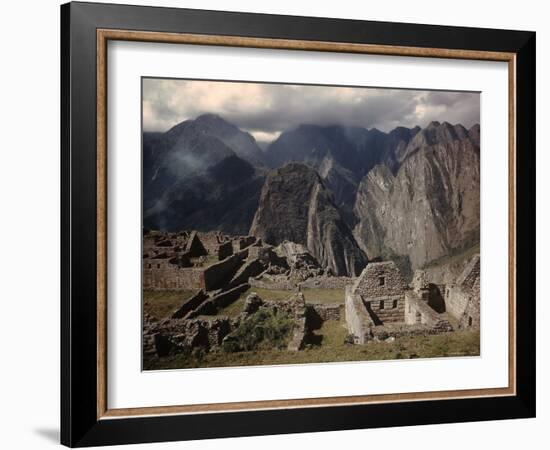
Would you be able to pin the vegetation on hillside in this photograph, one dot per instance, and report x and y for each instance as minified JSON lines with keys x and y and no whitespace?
{"x":264,"y":329}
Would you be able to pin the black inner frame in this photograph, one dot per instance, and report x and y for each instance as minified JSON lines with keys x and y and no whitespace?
{"x":79,"y":424}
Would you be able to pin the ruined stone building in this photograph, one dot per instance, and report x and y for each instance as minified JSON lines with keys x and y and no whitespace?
{"x":218,"y":268}
{"x":382,"y":290}
{"x":380,"y":303}
{"x":462,"y":297}
{"x":192,"y":260}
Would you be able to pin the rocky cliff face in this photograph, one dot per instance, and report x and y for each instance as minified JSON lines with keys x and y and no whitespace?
{"x":411,"y":195}
{"x":296,"y":206}
{"x":331,"y":151}
{"x":341,"y":155}
{"x":430,"y":207}
{"x":202,"y":174}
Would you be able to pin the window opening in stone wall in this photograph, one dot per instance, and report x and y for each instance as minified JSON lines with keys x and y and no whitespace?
{"x":381,"y":281}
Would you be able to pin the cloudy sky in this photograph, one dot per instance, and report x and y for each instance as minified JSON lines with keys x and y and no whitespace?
{"x":265,"y":110}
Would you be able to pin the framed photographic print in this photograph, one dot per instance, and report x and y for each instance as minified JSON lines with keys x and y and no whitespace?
{"x":276,"y":224}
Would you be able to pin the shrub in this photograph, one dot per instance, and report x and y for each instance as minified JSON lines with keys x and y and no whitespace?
{"x":265,"y":327}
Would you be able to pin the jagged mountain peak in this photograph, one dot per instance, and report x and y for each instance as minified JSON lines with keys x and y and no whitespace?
{"x":210,"y":117}
{"x":433,"y":124}
{"x":437,"y":133}
{"x":326,"y":180}
{"x":296,"y":206}
{"x":299,"y":169}
{"x":400,"y":131}
{"x":214,"y":126}
{"x":429,"y":207}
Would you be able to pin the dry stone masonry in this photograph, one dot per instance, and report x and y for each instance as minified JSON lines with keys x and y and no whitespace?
{"x":380,"y":305}
{"x":220,"y":269}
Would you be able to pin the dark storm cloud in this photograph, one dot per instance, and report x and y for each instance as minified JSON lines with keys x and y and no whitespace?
{"x":268,"y":109}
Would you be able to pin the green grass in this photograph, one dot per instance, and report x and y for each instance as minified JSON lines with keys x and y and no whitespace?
{"x":235,"y":308}
{"x":331,"y":348}
{"x":273,"y":295}
{"x":315,"y":295}
{"x":161,"y":303}
{"x":333,"y":333}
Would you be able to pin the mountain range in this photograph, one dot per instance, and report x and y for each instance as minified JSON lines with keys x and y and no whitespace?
{"x":349,"y":194}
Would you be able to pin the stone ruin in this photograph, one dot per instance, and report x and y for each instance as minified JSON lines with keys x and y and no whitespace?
{"x":380,"y":305}
{"x":219,"y":268}
{"x":294,"y":265}
{"x":193,"y":260}
{"x":462,"y":297}
{"x":179,"y":334}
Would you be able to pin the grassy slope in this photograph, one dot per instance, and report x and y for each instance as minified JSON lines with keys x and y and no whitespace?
{"x":324,"y":295}
{"x":161,"y":303}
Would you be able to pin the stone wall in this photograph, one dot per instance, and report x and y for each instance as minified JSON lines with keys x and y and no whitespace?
{"x":219,"y":274}
{"x":358,"y":319}
{"x":326,"y":282}
{"x":418,"y":312}
{"x":469,"y":278}
{"x":324,"y":311}
{"x":242,"y":242}
{"x":300,"y":331}
{"x":462,"y":297}
{"x":194,"y":246}
{"x":162,"y":273}
{"x":471,"y":318}
{"x":189,"y":304}
{"x":266,"y":255}
{"x":381,"y":279}
{"x":386,"y":309}
{"x":177,"y":335}
{"x":212,"y":305}
{"x":278,"y":282}
{"x":227,"y":297}
{"x":211,"y":240}
{"x":224,"y":250}
{"x":155,"y":242}
{"x":383,"y":332}
{"x":217,"y":328}
{"x":171,"y":276}
{"x":456,"y":300}
{"x":250,"y":268}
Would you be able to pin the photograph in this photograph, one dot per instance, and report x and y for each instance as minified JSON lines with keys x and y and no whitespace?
{"x":299,"y":224}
